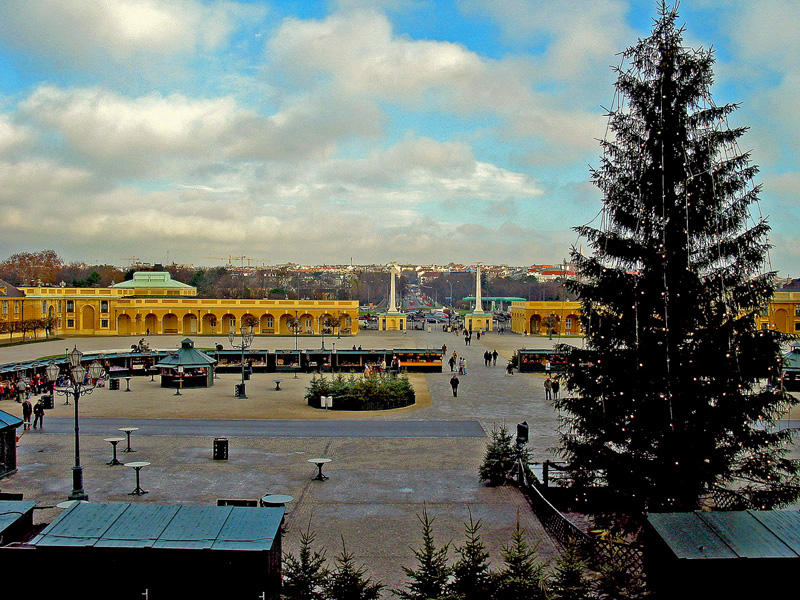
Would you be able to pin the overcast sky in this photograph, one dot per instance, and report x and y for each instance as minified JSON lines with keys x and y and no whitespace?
{"x":323,"y":132}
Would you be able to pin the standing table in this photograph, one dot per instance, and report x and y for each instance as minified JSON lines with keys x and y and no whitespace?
{"x":114,"y":441}
{"x":128,"y":431}
{"x":137,"y":466}
{"x":319,"y":462}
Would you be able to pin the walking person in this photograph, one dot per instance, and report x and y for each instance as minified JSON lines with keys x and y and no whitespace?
{"x":454,"y":384}
{"x":494,"y":357}
{"x":548,"y":388}
{"x":452,"y":363}
{"x":27,"y":411}
{"x":510,"y":368}
{"x":555,"y":389}
{"x":38,"y":414}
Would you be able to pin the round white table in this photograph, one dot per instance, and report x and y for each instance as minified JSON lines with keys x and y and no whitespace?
{"x":128,"y":431}
{"x":319,"y":462}
{"x":114,"y":441}
{"x":276,"y":500}
{"x":137,"y":466}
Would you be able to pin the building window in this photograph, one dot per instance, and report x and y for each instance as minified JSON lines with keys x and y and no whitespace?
{"x":60,"y":306}
{"x":44,"y":307}
{"x":70,"y":323}
{"x":104,"y":323}
{"x":70,"y":306}
{"x":568,"y":323}
{"x":103,"y":306}
{"x":270,"y":322}
{"x":16,"y":307}
{"x":309,"y":324}
{"x":232,"y":323}
{"x":5,"y":307}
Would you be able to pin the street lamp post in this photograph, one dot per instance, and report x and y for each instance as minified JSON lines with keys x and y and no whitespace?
{"x":77,"y":387}
{"x":247,"y":334}
{"x":296,"y":327}
{"x":321,"y":322}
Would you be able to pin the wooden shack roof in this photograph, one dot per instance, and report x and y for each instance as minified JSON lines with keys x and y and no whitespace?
{"x":730,"y":534}
{"x":164,"y":526}
{"x":186,"y":356}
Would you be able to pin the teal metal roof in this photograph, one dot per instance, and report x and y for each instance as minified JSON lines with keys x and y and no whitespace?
{"x":186,"y":356}
{"x":7,"y":420}
{"x":12,"y":511}
{"x":164,"y":526}
{"x":730,"y":534}
{"x":151,"y":279}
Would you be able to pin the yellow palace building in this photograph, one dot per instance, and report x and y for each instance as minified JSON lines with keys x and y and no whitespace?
{"x":538,"y":318}
{"x":152,"y":303}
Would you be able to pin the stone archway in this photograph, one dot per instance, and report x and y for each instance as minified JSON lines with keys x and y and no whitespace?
{"x":267,"y":324}
{"x":124,"y":325}
{"x":151,"y":324}
{"x":781,"y":320}
{"x":209,"y":323}
{"x":535,"y":325}
{"x":87,"y":319}
{"x":189,"y":324}
{"x":170,"y":323}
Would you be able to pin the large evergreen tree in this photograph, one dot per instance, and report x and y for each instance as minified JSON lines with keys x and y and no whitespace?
{"x":669,"y":402}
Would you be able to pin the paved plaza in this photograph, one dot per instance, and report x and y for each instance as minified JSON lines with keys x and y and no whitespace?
{"x":385,"y":466}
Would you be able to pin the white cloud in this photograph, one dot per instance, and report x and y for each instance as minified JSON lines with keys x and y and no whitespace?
{"x":81,"y":33}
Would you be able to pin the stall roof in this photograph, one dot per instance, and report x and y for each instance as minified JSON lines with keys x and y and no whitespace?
{"x":8,"y":420}
{"x":730,"y":534}
{"x":164,"y":526}
{"x":12,"y":511}
{"x":186,"y":356}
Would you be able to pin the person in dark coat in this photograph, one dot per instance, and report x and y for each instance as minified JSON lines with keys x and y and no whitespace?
{"x":38,"y":413}
{"x":454,"y":384}
{"x":27,"y":411}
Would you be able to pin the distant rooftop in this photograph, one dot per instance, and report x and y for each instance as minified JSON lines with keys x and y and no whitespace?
{"x":150,"y":280}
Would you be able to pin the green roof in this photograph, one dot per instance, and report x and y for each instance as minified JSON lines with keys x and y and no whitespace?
{"x":151,"y":279}
{"x":160,"y":526}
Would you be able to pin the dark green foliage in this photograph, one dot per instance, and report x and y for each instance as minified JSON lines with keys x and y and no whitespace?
{"x":304,"y":576}
{"x":471,"y":577}
{"x":429,"y":580}
{"x":522,"y":576}
{"x":362,"y":393}
{"x":668,"y":402}
{"x":349,"y":582}
{"x":616,"y":582}
{"x":569,"y":580}
{"x":500,"y":459}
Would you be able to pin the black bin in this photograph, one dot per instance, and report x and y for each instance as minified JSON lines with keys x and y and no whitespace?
{"x":220,"y":448}
{"x":113,"y":383}
{"x":47,"y":401}
{"x":246,"y":375}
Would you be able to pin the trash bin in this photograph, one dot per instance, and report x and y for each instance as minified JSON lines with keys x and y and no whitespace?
{"x":220,"y":448}
{"x":47,"y":401}
{"x":237,"y":390}
{"x":247,"y":375}
{"x":113,"y":383}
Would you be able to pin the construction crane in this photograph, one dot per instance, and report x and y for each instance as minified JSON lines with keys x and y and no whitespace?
{"x":134,"y":260}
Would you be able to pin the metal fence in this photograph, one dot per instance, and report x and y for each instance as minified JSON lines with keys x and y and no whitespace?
{"x":595,"y":551}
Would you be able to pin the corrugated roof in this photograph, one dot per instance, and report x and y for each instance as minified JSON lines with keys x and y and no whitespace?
{"x":164,"y":526}
{"x":12,"y":511}
{"x":186,"y":356}
{"x":7,"y":420}
{"x":730,"y":534}
{"x":150,"y":280}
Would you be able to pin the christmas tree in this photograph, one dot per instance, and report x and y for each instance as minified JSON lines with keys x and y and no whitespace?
{"x":670,"y":403}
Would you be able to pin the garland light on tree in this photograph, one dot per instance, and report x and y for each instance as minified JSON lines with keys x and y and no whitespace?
{"x":670,"y":402}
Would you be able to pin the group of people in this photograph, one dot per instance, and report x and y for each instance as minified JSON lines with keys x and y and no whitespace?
{"x":551,"y":387}
{"x":23,"y":387}
{"x":457,"y":361}
{"x":36,"y":410}
{"x":379,"y":369}
{"x":490,"y":358}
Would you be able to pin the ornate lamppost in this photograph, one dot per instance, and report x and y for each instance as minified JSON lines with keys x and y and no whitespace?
{"x":78,"y":386}
{"x":247,"y":333}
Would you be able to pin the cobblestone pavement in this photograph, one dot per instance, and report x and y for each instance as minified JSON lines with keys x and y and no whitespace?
{"x":378,"y":485}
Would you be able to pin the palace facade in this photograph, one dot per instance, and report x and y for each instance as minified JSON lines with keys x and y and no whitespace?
{"x":152,"y":304}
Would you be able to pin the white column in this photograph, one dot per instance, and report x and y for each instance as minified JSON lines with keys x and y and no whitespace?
{"x":478,"y":300}
{"x":392,"y":305}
